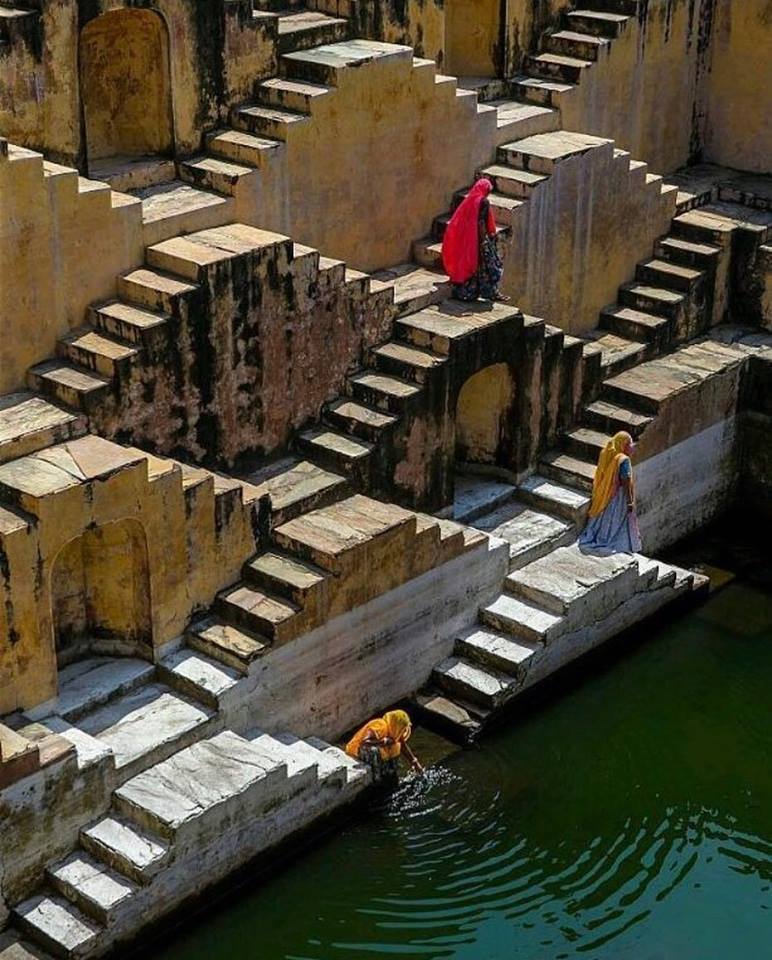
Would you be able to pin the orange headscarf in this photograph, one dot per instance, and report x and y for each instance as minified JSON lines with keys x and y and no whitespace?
{"x":395,"y":724}
{"x":606,"y":481}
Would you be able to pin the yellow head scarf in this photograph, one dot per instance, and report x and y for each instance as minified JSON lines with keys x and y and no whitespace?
{"x":399,"y":725}
{"x":604,"y":485}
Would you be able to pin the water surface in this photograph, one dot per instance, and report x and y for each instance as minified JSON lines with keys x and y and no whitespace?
{"x":629,"y":817}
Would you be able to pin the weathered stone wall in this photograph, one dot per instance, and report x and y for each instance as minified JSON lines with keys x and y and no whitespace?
{"x":418,"y":23}
{"x":688,"y":459}
{"x":60,"y":249}
{"x":90,"y":485}
{"x":580,"y":236}
{"x":738,"y":125}
{"x":756,"y":437}
{"x":263,"y":339}
{"x":216,"y":50}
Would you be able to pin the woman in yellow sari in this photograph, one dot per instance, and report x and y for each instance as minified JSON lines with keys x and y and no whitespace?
{"x":612,"y":523}
{"x":380,"y":741}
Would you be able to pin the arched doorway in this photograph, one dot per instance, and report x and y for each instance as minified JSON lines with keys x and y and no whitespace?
{"x":100,"y":594}
{"x":485,"y":425}
{"x":125,"y":87}
{"x":473,"y":38}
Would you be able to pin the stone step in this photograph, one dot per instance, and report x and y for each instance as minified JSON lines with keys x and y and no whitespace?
{"x":572,"y":43}
{"x":545,"y":92}
{"x":576,"y":584}
{"x":672,"y":276}
{"x":337,"y":452}
{"x":663,"y":574}
{"x":260,"y":613}
{"x":242,"y":147}
{"x":650,"y":299}
{"x":302,"y":772}
{"x":405,"y":361}
{"x":198,"y":676}
{"x":627,"y":7}
{"x":495,"y":651}
{"x":523,"y":119}
{"x":286,"y":576}
{"x":296,"y":486}
{"x":637,"y":325}
{"x":88,"y":684}
{"x":270,"y":122}
{"x":214,"y":173}
{"x":427,"y":252}
{"x":146,"y":725}
{"x":699,"y":256}
{"x":358,"y":420}
{"x":126,"y":847}
{"x":129,"y":323}
{"x":572,"y":471}
{"x":71,"y":385}
{"x":452,"y":717}
{"x":530,"y":533}
{"x":92,"y":886}
{"x":586,"y":442}
{"x":555,"y":498}
{"x":475,"y":496}
{"x":510,"y":182}
{"x":294,"y":95}
{"x":154,"y":290}
{"x":415,"y":287}
{"x":310,"y":28}
{"x":598,"y":22}
{"x":232,"y":646}
{"x":356,"y":771}
{"x":170,"y":209}
{"x":98,"y":353}
{"x":58,"y":926}
{"x":521,"y":619}
{"x":14,"y":947}
{"x":389,"y":394}
{"x":483,"y":685}
{"x":542,"y":153}
{"x":610,"y":418}
{"x":188,"y":793}
{"x":301,"y":755}
{"x":333,"y":538}
{"x":29,"y":423}
{"x":554,"y":66}
{"x":703,"y":227}
{"x":617,"y":353}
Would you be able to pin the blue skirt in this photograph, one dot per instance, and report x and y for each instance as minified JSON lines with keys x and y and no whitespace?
{"x":615,"y":530}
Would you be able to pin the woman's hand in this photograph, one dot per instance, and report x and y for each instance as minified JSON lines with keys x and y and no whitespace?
{"x":630,"y":506}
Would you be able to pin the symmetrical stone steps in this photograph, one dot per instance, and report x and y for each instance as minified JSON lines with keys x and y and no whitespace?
{"x":540,"y":621}
{"x":92,"y":363}
{"x":322,"y":562}
{"x":172,"y":820}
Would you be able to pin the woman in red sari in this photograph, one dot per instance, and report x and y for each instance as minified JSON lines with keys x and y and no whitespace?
{"x":469,"y":247}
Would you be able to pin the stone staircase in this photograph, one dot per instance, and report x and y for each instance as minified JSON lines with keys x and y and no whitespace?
{"x":208,"y":809}
{"x":551,"y":611}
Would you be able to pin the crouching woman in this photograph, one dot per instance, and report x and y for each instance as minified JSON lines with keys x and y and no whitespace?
{"x":381,"y":741}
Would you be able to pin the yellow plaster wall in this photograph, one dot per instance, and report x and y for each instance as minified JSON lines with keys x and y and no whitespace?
{"x":738,"y":125}
{"x":580,"y":236}
{"x":124,"y":64}
{"x":60,"y":250}
{"x":381,"y":157}
{"x":472,"y":37}
{"x":110,"y":530}
{"x":483,"y":408}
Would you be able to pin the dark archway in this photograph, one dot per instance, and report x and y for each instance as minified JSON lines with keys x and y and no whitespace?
{"x":126,"y":87}
{"x":100,"y":594}
{"x":485,"y":419}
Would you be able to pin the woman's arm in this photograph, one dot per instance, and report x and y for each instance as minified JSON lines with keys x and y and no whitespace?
{"x":627,"y":486}
{"x":414,"y":762}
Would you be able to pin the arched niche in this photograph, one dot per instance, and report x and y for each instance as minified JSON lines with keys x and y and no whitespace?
{"x":485,"y":418}
{"x":125,"y":85}
{"x":100,"y":594}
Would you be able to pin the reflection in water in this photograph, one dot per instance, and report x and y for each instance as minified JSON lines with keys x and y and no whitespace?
{"x":630,"y":818}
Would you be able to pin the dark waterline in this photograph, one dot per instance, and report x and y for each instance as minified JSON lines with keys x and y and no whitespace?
{"x":631,"y":817}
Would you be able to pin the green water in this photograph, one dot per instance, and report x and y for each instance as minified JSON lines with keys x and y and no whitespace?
{"x":630,"y":816}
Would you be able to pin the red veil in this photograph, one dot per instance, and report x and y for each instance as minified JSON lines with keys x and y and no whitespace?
{"x":461,"y":245}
